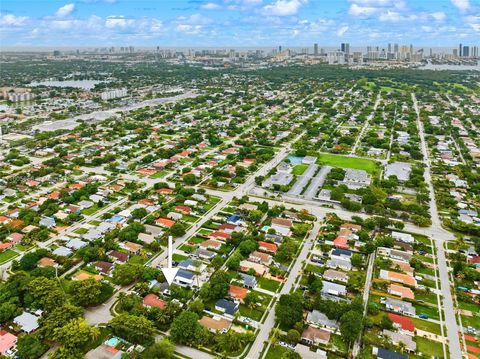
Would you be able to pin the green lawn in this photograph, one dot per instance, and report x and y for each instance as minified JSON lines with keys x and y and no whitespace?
{"x":80,"y":231}
{"x":275,"y":352}
{"x":268,"y":284}
{"x":254,"y":314}
{"x":348,"y":162}
{"x":159,"y":174}
{"x":7,"y":255}
{"x":429,"y":347}
{"x":299,"y":169}
{"x":427,"y":326}
{"x":91,"y":210}
{"x":178,"y":257}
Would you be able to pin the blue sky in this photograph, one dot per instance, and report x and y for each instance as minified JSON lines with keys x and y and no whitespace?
{"x":250,"y":23}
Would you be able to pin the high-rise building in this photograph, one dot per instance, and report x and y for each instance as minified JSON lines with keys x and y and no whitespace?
{"x":455,"y":52}
{"x":460,"y":48}
{"x":466,"y":51}
{"x":411,"y":50}
{"x":345,"y":47}
{"x":315,"y":49}
{"x":389,"y":48}
{"x":280,"y":48}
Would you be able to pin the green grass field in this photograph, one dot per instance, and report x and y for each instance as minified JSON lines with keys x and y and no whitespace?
{"x":7,"y":255}
{"x":268,"y":284}
{"x":299,"y":169}
{"x":348,"y":162}
{"x":429,"y":347}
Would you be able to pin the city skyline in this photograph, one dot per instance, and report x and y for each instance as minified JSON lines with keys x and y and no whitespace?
{"x":239,"y":23}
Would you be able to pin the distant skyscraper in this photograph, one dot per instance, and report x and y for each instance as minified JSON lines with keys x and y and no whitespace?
{"x":395,"y":48}
{"x":389,"y":48}
{"x":315,"y":49}
{"x":345,"y":47}
{"x":460,"y":53}
{"x":280,"y":48}
{"x":411,"y":50}
{"x":455,"y":52}
{"x":466,"y":51}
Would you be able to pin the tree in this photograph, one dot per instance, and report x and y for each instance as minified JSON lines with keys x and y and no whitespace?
{"x":177,"y":230}
{"x":217,"y":286}
{"x":197,"y":306}
{"x":351,"y":325}
{"x":248,"y":246}
{"x":76,"y":334}
{"x":190,"y":179}
{"x":45,"y":293}
{"x":136,"y":329}
{"x":7,"y":311}
{"x":59,"y":317}
{"x":357,"y":260}
{"x":163,"y":349}
{"x":86,"y":292}
{"x":185,"y":328}
{"x":138,"y":213}
{"x":127,"y":273}
{"x":293,"y":336}
{"x":29,"y":346}
{"x":289,"y":310}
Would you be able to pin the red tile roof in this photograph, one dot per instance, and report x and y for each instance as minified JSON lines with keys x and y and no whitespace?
{"x":152,"y":300}
{"x":404,"y":322}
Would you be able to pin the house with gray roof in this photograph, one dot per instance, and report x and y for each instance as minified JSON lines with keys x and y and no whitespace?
{"x":28,"y":322}
{"x":399,"y":306}
{"x":320,"y":320}
{"x":401,"y":170}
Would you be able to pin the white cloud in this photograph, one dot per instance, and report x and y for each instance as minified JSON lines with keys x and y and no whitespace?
{"x":438,"y":16}
{"x":210,"y":6}
{"x":341,"y":31}
{"x":284,"y":7}
{"x":358,"y":10}
{"x":65,"y":10}
{"x":118,"y":21}
{"x":12,"y":20}
{"x":462,"y":5}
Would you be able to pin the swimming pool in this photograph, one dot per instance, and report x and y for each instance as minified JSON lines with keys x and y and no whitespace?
{"x":112,"y":342}
{"x":295,"y":160}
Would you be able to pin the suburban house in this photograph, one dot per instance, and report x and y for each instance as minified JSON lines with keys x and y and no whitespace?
{"x":398,"y":277}
{"x":104,"y":267}
{"x":237,"y":293}
{"x":118,"y":257}
{"x":397,"y":338}
{"x":184,"y":278}
{"x":215,"y":324}
{"x":335,"y":275}
{"x":227,"y":307}
{"x":401,"y":291}
{"x":320,"y":320}
{"x":210,"y":244}
{"x":153,"y":301}
{"x":249,"y":281}
{"x":333,"y":289}
{"x":315,"y":336}
{"x":8,"y":341}
{"x":164,"y":222}
{"x":382,"y":353}
{"x":132,"y":248}
{"x":27,"y":322}
{"x":260,"y":257}
{"x":267,"y":247}
{"x":259,"y":269}
{"x":400,"y":322}
{"x":403,"y":237}
{"x":399,"y":306}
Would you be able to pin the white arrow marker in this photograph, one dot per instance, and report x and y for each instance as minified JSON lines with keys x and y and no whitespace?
{"x":169,"y":272}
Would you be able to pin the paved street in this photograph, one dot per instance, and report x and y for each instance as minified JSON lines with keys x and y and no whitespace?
{"x":269,"y":323}
{"x":450,"y":320}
